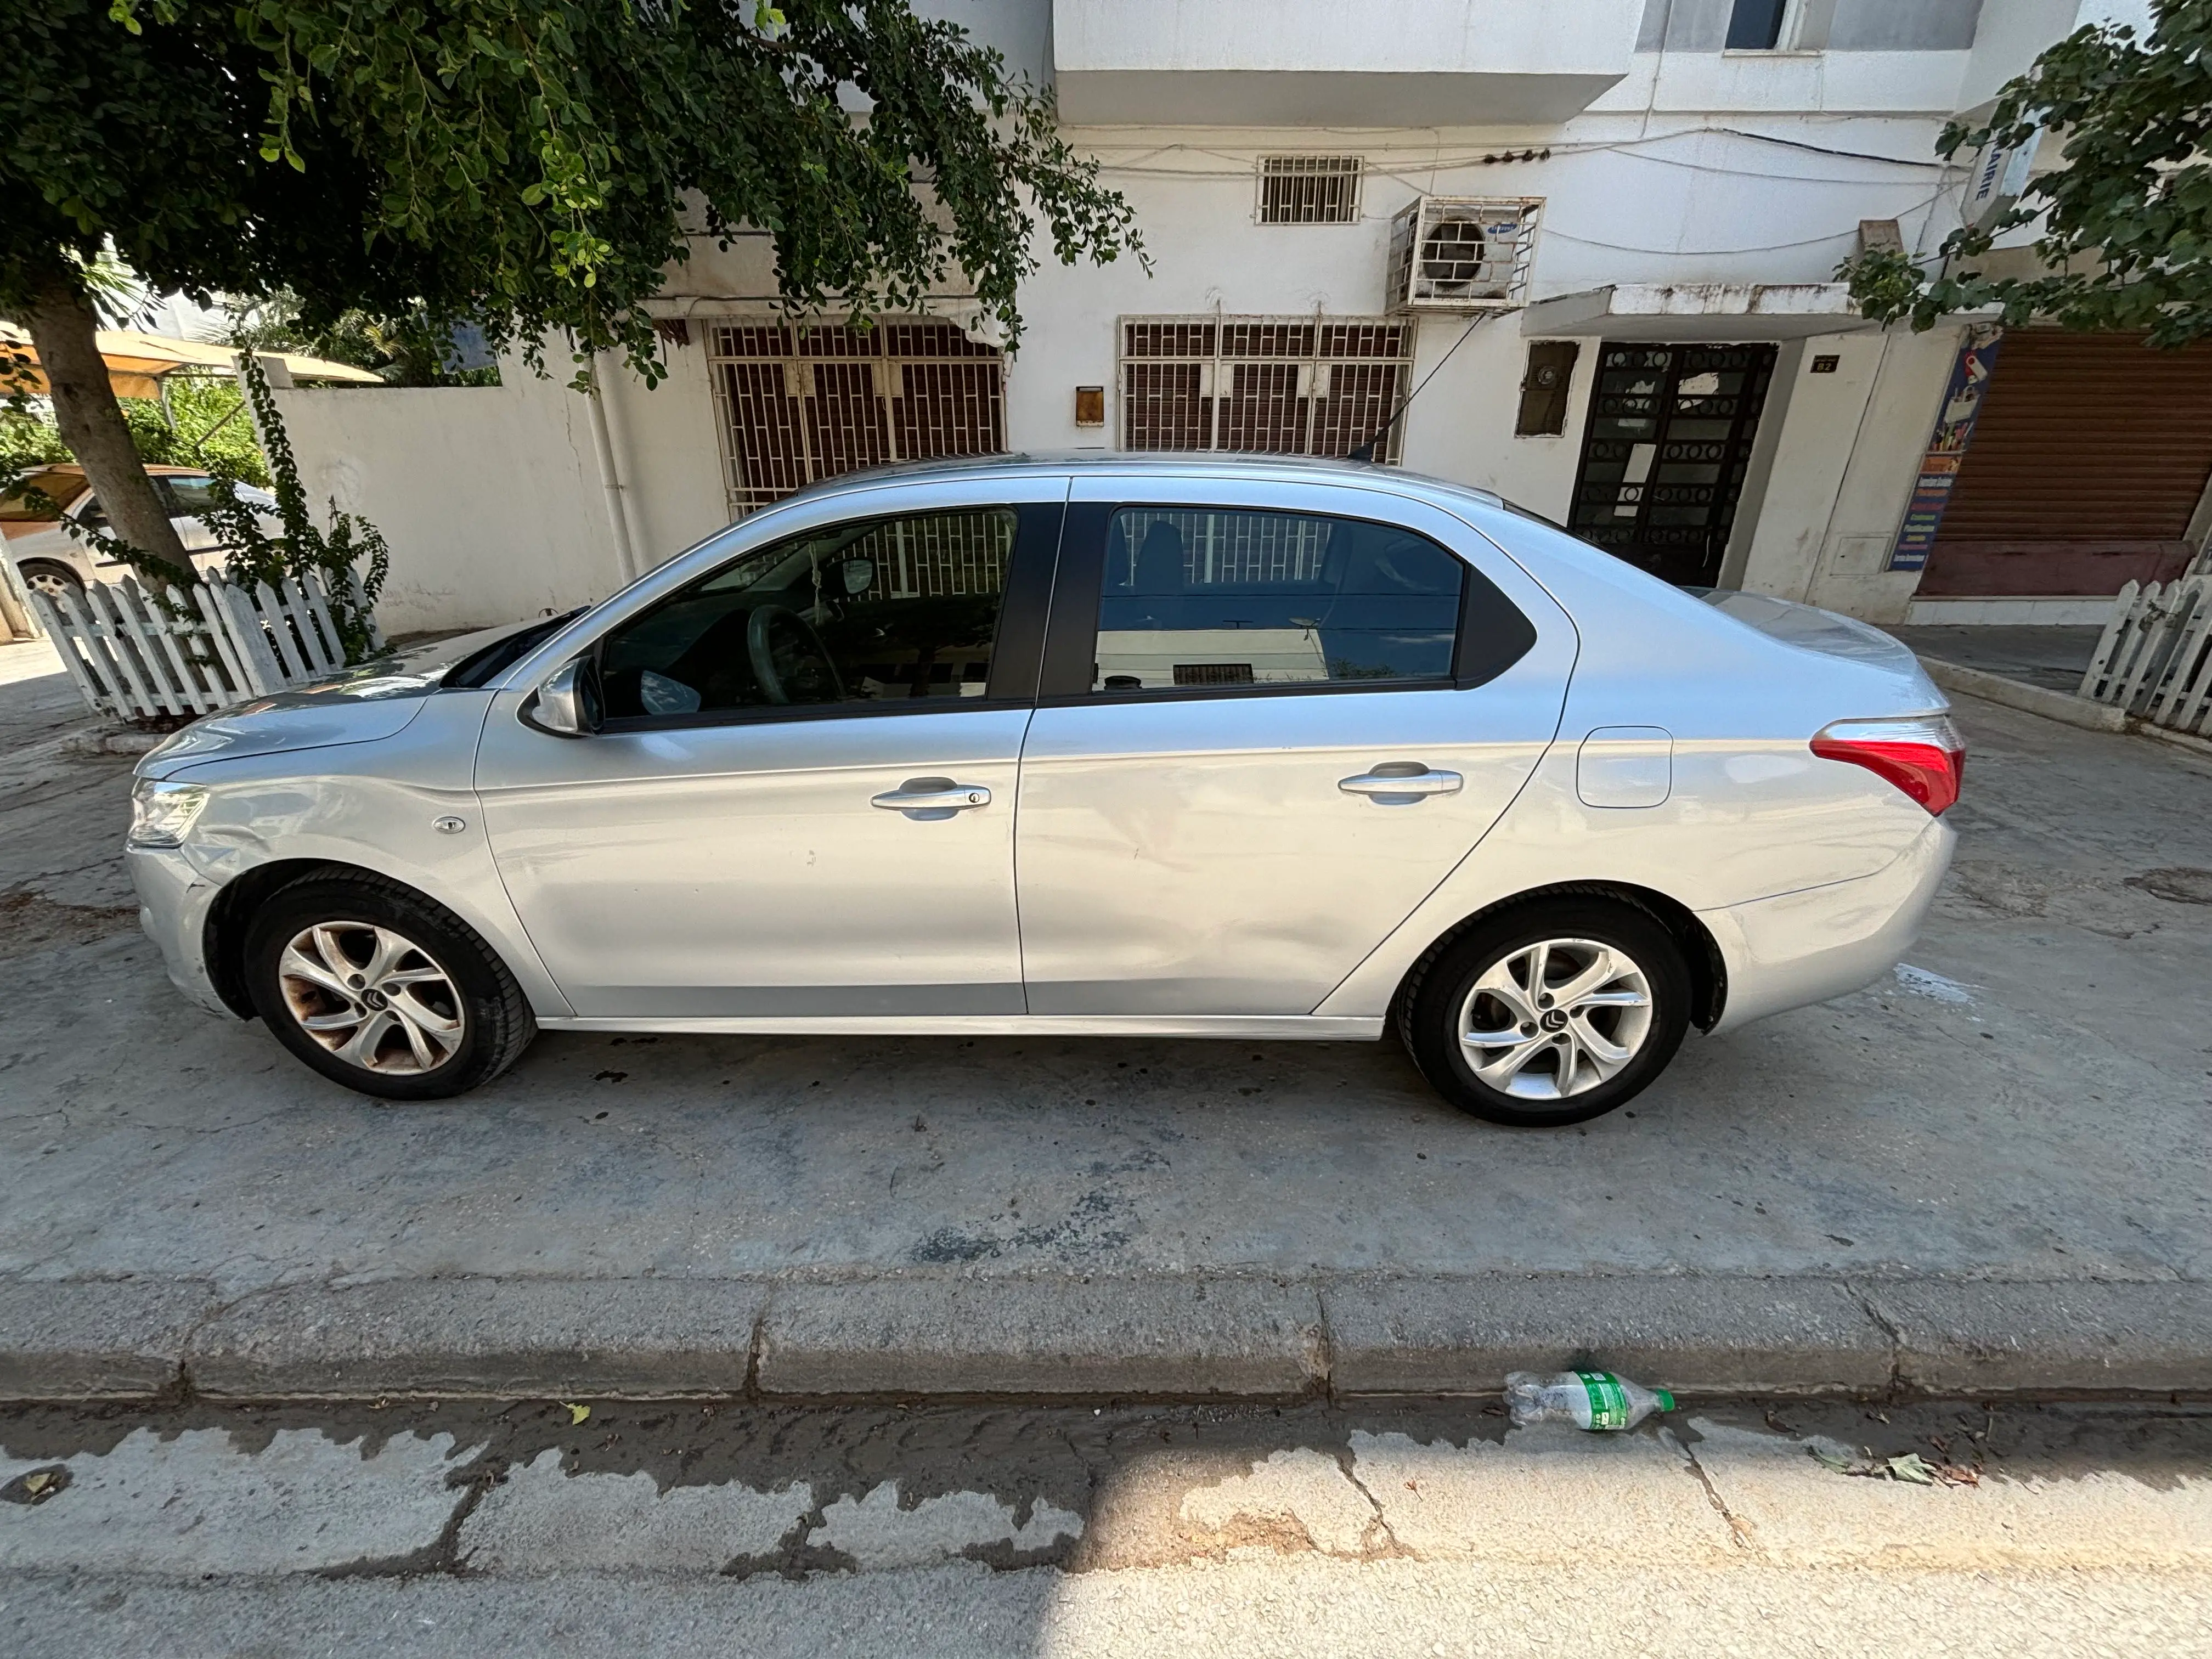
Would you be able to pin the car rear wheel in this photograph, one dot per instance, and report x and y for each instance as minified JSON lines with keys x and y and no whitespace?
{"x":381,"y":989}
{"x":51,"y":578}
{"x":1552,"y":1014}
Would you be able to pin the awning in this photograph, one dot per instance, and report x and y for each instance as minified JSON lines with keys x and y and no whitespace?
{"x":1697,"y":311}
{"x":138,"y":361}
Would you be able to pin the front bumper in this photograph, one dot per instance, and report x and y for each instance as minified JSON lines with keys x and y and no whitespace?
{"x":1806,"y":947}
{"x":173,"y":900}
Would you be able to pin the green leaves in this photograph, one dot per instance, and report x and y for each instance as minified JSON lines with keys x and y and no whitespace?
{"x":535,"y":165}
{"x":2123,"y":219}
{"x":351,"y":555}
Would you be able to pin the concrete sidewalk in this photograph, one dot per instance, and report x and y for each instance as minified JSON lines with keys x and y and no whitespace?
{"x":1983,"y":1175}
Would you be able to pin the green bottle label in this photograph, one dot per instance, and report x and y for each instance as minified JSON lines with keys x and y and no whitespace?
{"x":1609,"y":1403}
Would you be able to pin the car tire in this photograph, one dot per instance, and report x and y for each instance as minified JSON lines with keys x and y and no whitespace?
{"x":382,"y":989}
{"x":50,"y":577}
{"x":1548,"y":1062}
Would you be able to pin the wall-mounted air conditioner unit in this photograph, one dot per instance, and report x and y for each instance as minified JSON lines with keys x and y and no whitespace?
{"x":1462,"y":253}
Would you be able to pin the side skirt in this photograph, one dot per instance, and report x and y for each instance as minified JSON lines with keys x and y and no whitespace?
{"x":1273,"y":1027}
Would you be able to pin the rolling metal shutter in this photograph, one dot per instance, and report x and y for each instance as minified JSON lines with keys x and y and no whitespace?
{"x":2086,"y":462}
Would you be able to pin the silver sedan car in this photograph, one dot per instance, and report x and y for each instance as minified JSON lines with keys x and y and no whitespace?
{"x":1115,"y":745}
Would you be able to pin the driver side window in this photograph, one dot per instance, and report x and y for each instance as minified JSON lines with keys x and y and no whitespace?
{"x":878,"y":611}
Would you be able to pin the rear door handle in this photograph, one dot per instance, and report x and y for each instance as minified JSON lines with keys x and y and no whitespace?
{"x":932,"y":795}
{"x":1396,"y":787}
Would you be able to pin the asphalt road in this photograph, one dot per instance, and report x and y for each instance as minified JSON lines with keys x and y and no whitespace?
{"x":1421,"y":1527}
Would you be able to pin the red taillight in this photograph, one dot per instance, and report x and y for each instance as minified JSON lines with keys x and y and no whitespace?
{"x":1923,"y":755}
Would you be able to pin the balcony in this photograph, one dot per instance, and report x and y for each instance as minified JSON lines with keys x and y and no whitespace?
{"x":1319,"y":62}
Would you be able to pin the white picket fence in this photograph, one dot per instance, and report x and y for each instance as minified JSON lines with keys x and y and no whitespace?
{"x":133,"y":656}
{"x":2155,"y":657}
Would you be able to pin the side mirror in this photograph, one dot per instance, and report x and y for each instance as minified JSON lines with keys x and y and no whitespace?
{"x":567,"y":705}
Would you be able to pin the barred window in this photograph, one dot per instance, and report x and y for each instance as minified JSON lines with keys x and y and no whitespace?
{"x":1309,"y":189}
{"x":800,"y":401}
{"x":1271,"y":385}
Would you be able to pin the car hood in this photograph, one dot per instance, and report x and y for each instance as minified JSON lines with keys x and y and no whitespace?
{"x":1811,"y":629}
{"x":360,"y":705}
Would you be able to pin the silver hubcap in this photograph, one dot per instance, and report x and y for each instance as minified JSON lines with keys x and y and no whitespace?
{"x":372,"y":998}
{"x":1556,"y":1019}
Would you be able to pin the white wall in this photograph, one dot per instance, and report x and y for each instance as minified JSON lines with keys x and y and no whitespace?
{"x":2013,"y":34}
{"x":488,"y":496}
{"x":1581,"y":37}
{"x":1844,"y":466}
{"x":668,"y":452}
{"x":1883,"y":466}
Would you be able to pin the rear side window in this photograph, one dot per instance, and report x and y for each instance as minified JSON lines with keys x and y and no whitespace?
{"x":1196,"y":598}
{"x":185,"y":498}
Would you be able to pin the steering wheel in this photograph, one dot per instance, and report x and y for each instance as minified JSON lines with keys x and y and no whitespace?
{"x":760,"y":651}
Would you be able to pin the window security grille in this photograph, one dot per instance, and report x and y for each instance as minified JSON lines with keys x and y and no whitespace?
{"x":1223,"y":549}
{"x":1463,"y":254}
{"x":1310,"y":190}
{"x":939,"y":556}
{"x":1273,"y":385}
{"x":800,"y":401}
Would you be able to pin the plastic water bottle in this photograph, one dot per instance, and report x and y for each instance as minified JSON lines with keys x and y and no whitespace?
{"x":1589,"y":1400}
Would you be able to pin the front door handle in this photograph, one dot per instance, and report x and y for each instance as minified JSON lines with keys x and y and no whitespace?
{"x":936,"y":796}
{"x":1401,"y":782}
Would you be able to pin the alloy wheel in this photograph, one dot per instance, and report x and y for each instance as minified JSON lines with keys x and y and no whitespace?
{"x":372,"y":997}
{"x":51,"y":583}
{"x":1555,"y":1019}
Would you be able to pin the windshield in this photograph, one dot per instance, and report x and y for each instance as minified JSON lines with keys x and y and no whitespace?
{"x":480,"y":666}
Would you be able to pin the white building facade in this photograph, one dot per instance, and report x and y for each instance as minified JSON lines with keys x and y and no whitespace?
{"x":1612,"y":298}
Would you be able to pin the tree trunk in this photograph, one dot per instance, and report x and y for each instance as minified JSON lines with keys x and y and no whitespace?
{"x":63,"y":327}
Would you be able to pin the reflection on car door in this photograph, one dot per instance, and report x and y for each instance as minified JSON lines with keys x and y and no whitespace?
{"x":1273,"y":717}
{"x":802,"y":804}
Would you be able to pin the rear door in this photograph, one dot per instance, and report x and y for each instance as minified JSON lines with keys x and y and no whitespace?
{"x":1273,"y":717}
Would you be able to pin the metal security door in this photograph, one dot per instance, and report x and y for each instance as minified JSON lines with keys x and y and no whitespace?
{"x":1665,"y":451}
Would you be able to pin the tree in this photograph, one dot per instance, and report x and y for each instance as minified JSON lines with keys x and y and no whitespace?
{"x":2127,"y":243}
{"x":528,"y":166}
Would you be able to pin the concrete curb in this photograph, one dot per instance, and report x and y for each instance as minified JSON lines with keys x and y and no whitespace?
{"x":1175,"y":1335}
{"x":2032,"y":699}
{"x":2055,"y":705}
{"x":1969,"y":1336}
{"x":97,"y":1339}
{"x":1185,"y":1334}
{"x":1723,"y":1335}
{"x":481,"y":1336}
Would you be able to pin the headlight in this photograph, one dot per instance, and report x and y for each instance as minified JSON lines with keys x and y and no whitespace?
{"x":161,"y":814}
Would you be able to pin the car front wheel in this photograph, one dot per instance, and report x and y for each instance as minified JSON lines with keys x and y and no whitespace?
{"x":54,"y":579}
{"x":380,"y":988}
{"x":1550,"y":1014}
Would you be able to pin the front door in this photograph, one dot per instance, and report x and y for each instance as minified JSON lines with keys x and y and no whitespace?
{"x":802,"y":799}
{"x":1665,"y":453}
{"x":1275,"y":717}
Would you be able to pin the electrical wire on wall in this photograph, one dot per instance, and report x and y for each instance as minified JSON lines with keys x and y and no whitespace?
{"x":1365,"y":452}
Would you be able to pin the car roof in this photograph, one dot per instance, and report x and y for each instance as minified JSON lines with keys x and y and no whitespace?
{"x":62,"y":483}
{"x":1156,"y":463}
